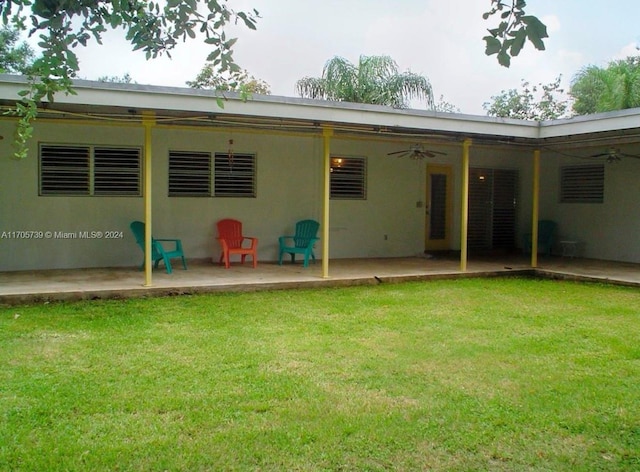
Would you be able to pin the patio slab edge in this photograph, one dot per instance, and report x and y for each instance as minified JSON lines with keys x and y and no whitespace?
{"x":147,"y":292}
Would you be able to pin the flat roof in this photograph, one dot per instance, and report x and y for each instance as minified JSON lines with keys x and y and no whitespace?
{"x":172,"y":104}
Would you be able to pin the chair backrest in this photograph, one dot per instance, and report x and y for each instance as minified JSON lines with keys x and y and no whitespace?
{"x":137,"y":228}
{"x":546,"y":231}
{"x":231,"y":231}
{"x":305,"y":230}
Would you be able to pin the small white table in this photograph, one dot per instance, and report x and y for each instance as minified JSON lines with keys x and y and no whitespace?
{"x":569,"y":248}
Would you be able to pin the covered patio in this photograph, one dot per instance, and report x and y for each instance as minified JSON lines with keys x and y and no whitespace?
{"x":171,"y":158}
{"x":204,"y":277}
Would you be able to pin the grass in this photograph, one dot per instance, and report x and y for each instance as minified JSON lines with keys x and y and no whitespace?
{"x":496,"y":374}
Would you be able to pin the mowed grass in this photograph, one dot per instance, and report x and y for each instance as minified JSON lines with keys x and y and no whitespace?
{"x":478,"y":374}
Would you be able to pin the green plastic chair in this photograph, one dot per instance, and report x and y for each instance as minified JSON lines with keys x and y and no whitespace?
{"x":546,"y":237}
{"x":159,"y":253}
{"x":300,"y":243}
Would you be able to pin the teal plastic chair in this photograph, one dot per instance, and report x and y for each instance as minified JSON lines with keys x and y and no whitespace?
{"x":300,"y":243}
{"x":546,"y":237}
{"x":159,"y":253}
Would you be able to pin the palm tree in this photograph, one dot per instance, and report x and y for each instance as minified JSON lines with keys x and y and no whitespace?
{"x":617,"y":87}
{"x":375,"y":80}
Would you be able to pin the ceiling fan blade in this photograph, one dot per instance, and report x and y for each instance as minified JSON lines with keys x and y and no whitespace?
{"x":624,"y":154}
{"x":602,"y":154}
{"x":396,"y":152}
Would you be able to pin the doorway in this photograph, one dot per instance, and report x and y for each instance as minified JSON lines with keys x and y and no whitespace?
{"x":493,"y":199}
{"x":438,"y":208}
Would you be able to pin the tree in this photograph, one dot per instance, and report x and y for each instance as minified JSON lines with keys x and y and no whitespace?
{"x":528,"y":104}
{"x":444,"y":106}
{"x":514,"y":29}
{"x":114,"y":79}
{"x":375,"y":80}
{"x":62,"y":25}
{"x":615,"y":87}
{"x":243,"y":82}
{"x":14,"y":58}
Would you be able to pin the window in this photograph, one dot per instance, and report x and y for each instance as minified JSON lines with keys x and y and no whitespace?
{"x":189,"y":174}
{"x":89,"y":170}
{"x":116,"y":171}
{"x":235,"y":175}
{"x":64,"y":170}
{"x":348,"y":178}
{"x":582,"y":184}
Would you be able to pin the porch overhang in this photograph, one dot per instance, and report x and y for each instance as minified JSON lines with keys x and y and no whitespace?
{"x":179,"y":105}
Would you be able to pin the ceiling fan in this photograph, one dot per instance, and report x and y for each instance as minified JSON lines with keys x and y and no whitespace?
{"x":614,"y":155}
{"x":416,"y":151}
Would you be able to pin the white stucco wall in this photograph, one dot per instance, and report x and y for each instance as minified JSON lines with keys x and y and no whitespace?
{"x":607,"y":230}
{"x":289,"y":188}
{"x":388,"y":223}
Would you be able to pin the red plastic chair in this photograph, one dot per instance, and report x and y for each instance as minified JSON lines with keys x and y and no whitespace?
{"x":233,"y":242}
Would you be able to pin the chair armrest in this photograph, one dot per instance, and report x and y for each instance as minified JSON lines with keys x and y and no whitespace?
{"x":177,"y":242}
{"x":254,"y":241}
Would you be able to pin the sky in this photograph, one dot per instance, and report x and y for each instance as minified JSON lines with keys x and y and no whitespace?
{"x":441,"y":40}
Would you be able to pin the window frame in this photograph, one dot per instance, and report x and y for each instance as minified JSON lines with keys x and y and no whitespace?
{"x":241,"y":185}
{"x":52,"y":183}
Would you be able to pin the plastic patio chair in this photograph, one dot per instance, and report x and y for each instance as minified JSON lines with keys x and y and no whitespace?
{"x":159,"y":252}
{"x":300,"y":243}
{"x":546,"y":237}
{"x":233,"y":242}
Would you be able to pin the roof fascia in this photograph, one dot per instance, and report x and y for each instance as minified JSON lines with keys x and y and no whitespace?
{"x":159,"y":98}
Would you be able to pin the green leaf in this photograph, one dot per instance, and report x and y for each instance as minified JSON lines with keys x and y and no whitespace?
{"x":504,"y":59}
{"x":535,"y":40}
{"x":536,"y":31}
{"x":518,"y":42}
{"x":493,"y":45}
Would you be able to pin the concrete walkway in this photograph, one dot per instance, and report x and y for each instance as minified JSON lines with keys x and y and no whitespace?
{"x":203,"y":276}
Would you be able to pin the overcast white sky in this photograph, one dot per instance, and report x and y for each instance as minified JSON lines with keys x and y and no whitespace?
{"x":439,"y":39}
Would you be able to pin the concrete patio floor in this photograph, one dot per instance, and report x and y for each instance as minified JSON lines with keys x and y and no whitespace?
{"x":203,"y":276}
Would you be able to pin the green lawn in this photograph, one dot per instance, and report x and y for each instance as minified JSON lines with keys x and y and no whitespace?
{"x":476,"y":374}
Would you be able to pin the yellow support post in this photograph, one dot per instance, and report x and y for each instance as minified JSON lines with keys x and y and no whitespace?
{"x":536,"y":208}
{"x":464,"y":217}
{"x":327,"y":133}
{"x":148,"y":121}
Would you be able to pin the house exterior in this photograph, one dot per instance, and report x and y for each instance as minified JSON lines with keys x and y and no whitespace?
{"x":115,"y":153}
